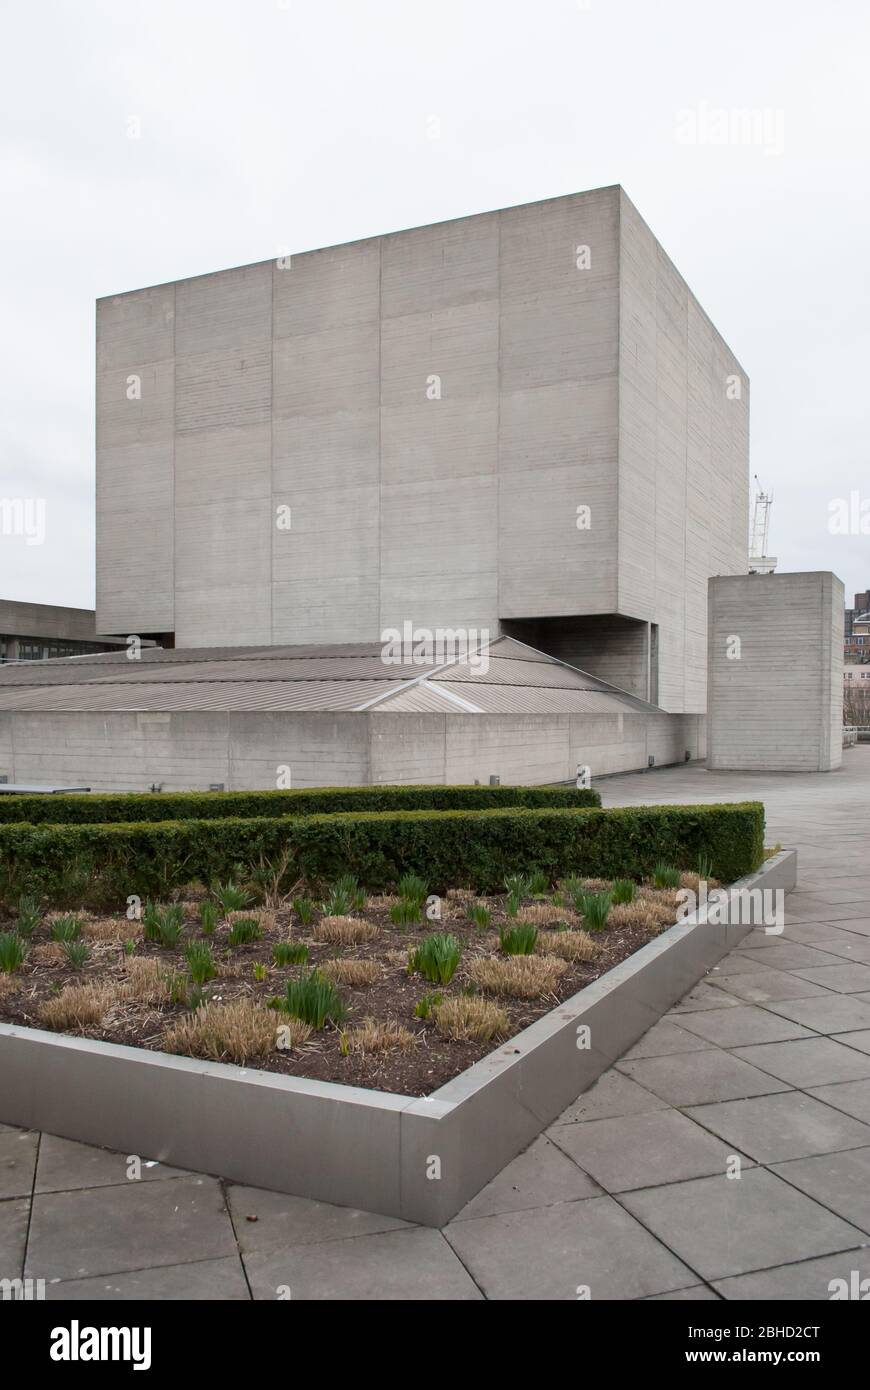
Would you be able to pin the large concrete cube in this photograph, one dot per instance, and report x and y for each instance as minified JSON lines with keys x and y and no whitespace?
{"x":775,"y":686}
{"x":516,"y":419}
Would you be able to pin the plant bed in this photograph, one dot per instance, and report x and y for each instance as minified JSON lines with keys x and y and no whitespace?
{"x":218,"y":988}
{"x":418,"y":1159}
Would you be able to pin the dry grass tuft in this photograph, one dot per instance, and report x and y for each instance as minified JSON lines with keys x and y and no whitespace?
{"x":231,"y":1032}
{"x":398,"y":959}
{"x":517,"y":977}
{"x":381,"y":901}
{"x":263,"y":916}
{"x":461,"y":895}
{"x":46,"y":953}
{"x":378,"y":1035}
{"x":466,"y":1018}
{"x":147,"y":980}
{"x":354,"y":973}
{"x":543,"y":914}
{"x":665,"y":897}
{"x":344,"y":931}
{"x":645,"y":913}
{"x":111,"y":930}
{"x":77,"y":1007}
{"x":8,"y":984}
{"x":56,"y":914}
{"x":693,"y":881}
{"x":567,"y":945}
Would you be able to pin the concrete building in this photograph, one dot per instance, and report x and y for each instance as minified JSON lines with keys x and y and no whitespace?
{"x":768,"y":711}
{"x":40,"y":631}
{"x":519,"y":422}
{"x":519,"y":429}
{"x":245,"y":718}
{"x":857,"y":632}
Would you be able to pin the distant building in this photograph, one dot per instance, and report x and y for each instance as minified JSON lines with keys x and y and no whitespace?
{"x":37,"y":631}
{"x":857,"y":630}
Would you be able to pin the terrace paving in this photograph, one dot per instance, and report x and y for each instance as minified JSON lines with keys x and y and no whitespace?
{"x":763,"y":1069}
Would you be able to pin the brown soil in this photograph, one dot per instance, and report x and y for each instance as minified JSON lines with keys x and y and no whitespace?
{"x":416,"y":1071}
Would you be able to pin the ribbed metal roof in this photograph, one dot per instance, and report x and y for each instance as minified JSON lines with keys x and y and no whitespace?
{"x":525,"y":699}
{"x":517,"y":679}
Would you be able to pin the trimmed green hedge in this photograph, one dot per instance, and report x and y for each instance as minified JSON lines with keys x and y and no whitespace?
{"x":106,"y":863}
{"x":100,"y":808}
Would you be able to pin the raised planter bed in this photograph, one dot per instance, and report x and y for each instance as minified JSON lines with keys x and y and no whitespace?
{"x":420,"y":1159}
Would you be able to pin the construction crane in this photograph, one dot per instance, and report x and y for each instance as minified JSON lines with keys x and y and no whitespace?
{"x":759,"y":561}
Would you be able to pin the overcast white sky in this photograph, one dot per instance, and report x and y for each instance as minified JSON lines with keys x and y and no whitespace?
{"x":281,"y":125}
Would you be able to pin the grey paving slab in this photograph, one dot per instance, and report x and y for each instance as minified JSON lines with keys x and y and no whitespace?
{"x":815,"y":1061}
{"x":14,"y":1215}
{"x":703,"y":996}
{"x":859,"y":1039}
{"x":539,"y":1177}
{"x":791,"y":1125}
{"x":551,"y":1252}
{"x":859,"y":925}
{"x":206,"y":1280}
{"x":737,"y":963}
{"x":786,"y":955}
{"x":852,"y":1097}
{"x":850,"y":947}
{"x":832,"y":1014}
{"x":642,"y":1150}
{"x":822,"y":935}
{"x":689,"y":1078}
{"x":840,"y":1181}
{"x":835,"y":876}
{"x":744,"y":1024}
{"x":612,"y":1094}
{"x":761,"y":940}
{"x":724,"y":1226}
{"x":819,"y":911}
{"x":64,"y":1164}
{"x":844,"y":891}
{"x":698,"y":1293}
{"x":842,"y":979}
{"x":760,"y":986}
{"x":667,"y":1036}
{"x":275,"y":1220}
{"x":18,"y":1148}
{"x":109,"y":1230}
{"x":807,"y":1281}
{"x":417,"y":1264}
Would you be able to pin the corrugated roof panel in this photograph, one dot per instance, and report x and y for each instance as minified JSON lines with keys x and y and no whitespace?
{"x":417,"y":699}
{"x":198,"y":695}
{"x":506,"y":671}
{"x":256,"y":669}
{"x":523,"y":699}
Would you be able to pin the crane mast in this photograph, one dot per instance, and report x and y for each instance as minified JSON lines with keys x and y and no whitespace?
{"x":759,"y":560}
